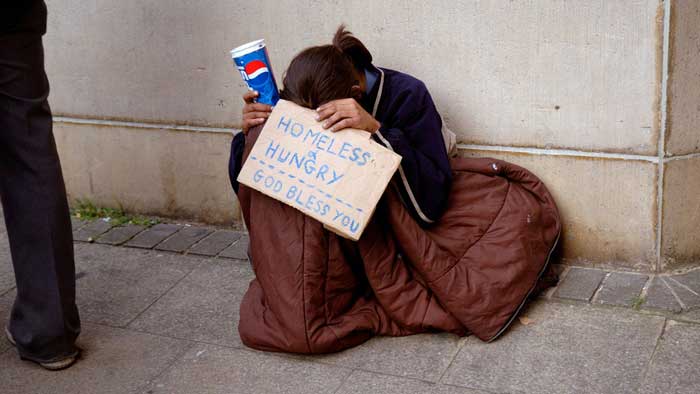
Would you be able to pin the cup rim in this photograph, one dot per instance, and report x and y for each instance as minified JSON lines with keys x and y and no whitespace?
{"x":247,"y":48}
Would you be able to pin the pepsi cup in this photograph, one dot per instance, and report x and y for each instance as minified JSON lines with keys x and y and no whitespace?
{"x":254,"y":65}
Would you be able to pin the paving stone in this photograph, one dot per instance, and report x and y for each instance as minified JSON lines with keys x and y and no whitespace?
{"x":120,"y":283}
{"x":7,"y":281}
{"x":7,"y":274}
{"x":114,"y":361}
{"x":556,"y":271}
{"x":183,"y":239}
{"x":153,"y":236}
{"x":687,"y":287}
{"x":92,"y":230}
{"x":424,"y":356}
{"x":675,"y":366}
{"x":77,"y":223}
{"x":208,"y":369}
{"x":564,"y":349}
{"x":690,"y":279}
{"x":580,"y":284}
{"x":238,"y":250}
{"x":119,"y":235}
{"x":621,"y":289}
{"x":692,"y":315}
{"x":659,"y":296}
{"x":203,"y":306}
{"x":6,"y":302}
{"x":215,"y":243}
{"x":366,"y":382}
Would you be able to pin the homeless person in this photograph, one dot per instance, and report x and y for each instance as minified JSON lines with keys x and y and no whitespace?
{"x":454,"y":245}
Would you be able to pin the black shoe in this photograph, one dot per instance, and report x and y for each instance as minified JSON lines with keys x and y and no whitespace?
{"x":50,"y":365}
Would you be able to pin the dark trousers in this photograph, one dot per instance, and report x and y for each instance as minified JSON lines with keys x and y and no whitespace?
{"x":44,"y":320}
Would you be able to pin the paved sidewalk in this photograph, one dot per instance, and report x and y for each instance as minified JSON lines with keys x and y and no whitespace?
{"x":160,"y":315}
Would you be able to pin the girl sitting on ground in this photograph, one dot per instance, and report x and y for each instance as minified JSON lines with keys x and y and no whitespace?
{"x":456,"y":246}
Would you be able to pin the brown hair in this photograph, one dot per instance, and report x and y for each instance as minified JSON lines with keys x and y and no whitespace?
{"x":353,"y":48}
{"x":318,"y":75}
{"x":324,"y":73}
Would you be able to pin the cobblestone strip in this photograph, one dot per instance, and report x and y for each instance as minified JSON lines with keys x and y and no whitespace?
{"x":153,"y":236}
{"x":215,"y":243}
{"x":92,"y":230}
{"x":174,"y":238}
{"x":183,"y":239}
{"x":674,"y":293}
{"x":120,"y":234}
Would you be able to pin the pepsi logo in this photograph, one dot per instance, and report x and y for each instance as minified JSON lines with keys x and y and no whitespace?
{"x":257,"y":72}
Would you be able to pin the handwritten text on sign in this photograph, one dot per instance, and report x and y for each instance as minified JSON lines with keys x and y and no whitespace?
{"x":336,"y":178}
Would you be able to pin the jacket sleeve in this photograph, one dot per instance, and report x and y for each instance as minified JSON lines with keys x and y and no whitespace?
{"x":235,"y":161}
{"x":414,"y":131}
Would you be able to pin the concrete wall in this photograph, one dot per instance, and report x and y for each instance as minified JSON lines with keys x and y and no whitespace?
{"x":607,"y":220}
{"x":681,"y":166}
{"x":683,"y":134}
{"x":498,"y":69}
{"x":576,"y":91}
{"x":170,"y":172}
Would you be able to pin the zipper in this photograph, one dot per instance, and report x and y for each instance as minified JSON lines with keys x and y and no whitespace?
{"x":529,"y":293}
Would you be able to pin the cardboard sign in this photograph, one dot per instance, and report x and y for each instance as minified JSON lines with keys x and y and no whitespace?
{"x":336,"y":178}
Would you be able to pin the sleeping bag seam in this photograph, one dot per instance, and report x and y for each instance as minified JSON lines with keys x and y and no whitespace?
{"x":500,"y":210}
{"x":303,"y":284}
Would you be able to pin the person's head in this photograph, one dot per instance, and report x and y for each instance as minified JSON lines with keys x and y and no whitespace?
{"x":324,"y":73}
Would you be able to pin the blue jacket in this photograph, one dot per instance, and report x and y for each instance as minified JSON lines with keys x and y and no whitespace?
{"x":411,"y":127}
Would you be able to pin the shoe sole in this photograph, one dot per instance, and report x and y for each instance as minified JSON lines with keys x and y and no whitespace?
{"x":52,"y":365}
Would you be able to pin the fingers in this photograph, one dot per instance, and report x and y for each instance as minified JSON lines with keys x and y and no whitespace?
{"x":257,"y":107}
{"x":333,"y":119}
{"x":339,"y":102}
{"x":343,"y":124}
{"x":255,"y":122}
{"x":342,"y":120}
{"x":250,"y":96}
{"x":325,"y":112}
{"x":331,"y":107}
{"x":255,"y":111}
{"x":342,"y":114}
{"x":250,"y":123}
{"x":256,"y":115}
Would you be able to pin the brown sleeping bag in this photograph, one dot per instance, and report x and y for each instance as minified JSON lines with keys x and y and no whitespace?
{"x":315,"y":292}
